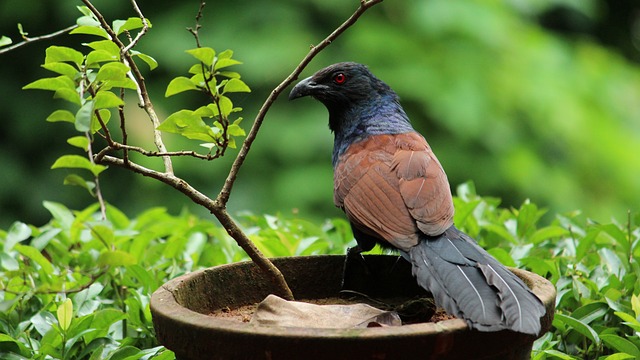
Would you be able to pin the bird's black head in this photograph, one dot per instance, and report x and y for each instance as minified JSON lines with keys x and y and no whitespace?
{"x":341,"y":85}
{"x":349,"y":91}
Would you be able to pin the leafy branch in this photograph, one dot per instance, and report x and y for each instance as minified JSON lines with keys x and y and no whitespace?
{"x":88,"y":81}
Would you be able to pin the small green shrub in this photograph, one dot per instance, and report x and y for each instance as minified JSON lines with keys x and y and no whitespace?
{"x":79,"y":286}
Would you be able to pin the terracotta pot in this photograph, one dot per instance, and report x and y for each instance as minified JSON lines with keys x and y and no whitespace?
{"x":180,"y":309}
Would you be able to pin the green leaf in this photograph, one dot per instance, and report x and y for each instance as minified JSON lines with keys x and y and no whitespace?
{"x":189,"y":125}
{"x":620,"y":356}
{"x":90,"y":30}
{"x":78,"y":162}
{"x":63,"y":54}
{"x":18,"y":232}
{"x":59,"y":212}
{"x":84,"y":116}
{"x":79,"y":141}
{"x":635,"y":305}
{"x":203,"y":54}
{"x":116,"y":258}
{"x":621,"y":344}
{"x":178,"y":85}
{"x":629,"y":320}
{"x":105,"y":115}
{"x":579,"y":326}
{"x":236,"y":85}
{"x":113,"y":71}
{"x":226,"y":106}
{"x":4,"y":41}
{"x":62,"y":69}
{"x":107,"y":99}
{"x":36,"y":256}
{"x":65,"y":314}
{"x":146,"y":58}
{"x":106,"y":45}
{"x":225,"y":62}
{"x":77,"y":180}
{"x":100,"y":56}
{"x":547,"y":233}
{"x":132,"y":23}
{"x":197,"y":69}
{"x":52,"y":84}
{"x":70,"y":95}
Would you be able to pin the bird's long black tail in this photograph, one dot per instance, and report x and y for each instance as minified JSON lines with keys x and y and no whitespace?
{"x":470,"y":284}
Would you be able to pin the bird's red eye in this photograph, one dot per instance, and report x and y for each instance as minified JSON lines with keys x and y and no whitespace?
{"x":340,"y":78}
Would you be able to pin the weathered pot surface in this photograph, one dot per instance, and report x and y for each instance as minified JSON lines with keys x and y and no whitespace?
{"x":180,"y":309}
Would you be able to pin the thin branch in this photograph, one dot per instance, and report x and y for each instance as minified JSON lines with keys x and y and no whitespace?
{"x":28,"y":40}
{"x":223,"y":197}
{"x":136,"y":76}
{"x":141,"y":33}
{"x":218,"y":206}
{"x":114,"y":146}
{"x":194,"y":30}
{"x":220,"y":213}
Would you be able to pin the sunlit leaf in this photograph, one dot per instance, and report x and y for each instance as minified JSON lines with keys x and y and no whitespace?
{"x":77,"y":180}
{"x":225,"y":62}
{"x":4,"y":41}
{"x":236,"y":85}
{"x":99,"y":56}
{"x":146,"y":58}
{"x":203,"y":54}
{"x":106,"y":45}
{"x":178,"y":85}
{"x":107,"y":99}
{"x":78,"y":162}
{"x":132,"y":23}
{"x":116,"y":258}
{"x":90,"y":30}
{"x":189,"y":125}
{"x":621,"y":344}
{"x":84,"y":116}
{"x":65,"y":314}
{"x":18,"y":232}
{"x":115,"y":71}
{"x":62,"y":68}
{"x":63,"y":54}
{"x":578,"y":326}
{"x":79,"y":141}
{"x":36,"y":256}
{"x":52,"y":84}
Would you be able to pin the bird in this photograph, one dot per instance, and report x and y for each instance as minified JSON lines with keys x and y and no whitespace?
{"x":395,"y":193}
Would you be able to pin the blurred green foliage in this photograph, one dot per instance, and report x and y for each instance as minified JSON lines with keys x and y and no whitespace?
{"x":529,"y":99}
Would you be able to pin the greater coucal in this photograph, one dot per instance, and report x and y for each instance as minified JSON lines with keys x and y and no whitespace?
{"x":394,"y":192}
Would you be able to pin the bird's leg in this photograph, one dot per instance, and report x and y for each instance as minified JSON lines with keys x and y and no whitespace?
{"x":352,"y":260}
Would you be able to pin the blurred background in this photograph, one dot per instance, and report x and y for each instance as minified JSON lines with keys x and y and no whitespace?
{"x":531,"y":100}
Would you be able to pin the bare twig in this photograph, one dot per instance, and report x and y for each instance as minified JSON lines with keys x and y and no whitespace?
{"x":28,"y":40}
{"x":223,"y":197}
{"x":194,"y":30}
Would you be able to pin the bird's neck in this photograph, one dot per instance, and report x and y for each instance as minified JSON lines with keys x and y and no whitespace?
{"x":358,"y":122}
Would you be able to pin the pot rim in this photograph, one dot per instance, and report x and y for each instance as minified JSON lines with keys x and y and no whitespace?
{"x":163,"y":304}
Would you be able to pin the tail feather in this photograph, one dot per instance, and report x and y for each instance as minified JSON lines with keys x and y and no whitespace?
{"x":470,"y":284}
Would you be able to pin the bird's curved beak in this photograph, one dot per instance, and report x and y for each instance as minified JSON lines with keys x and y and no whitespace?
{"x":305,"y":87}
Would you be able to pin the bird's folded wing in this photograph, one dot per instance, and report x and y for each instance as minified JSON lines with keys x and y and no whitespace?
{"x":389,"y":186}
{"x":423,"y":184}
